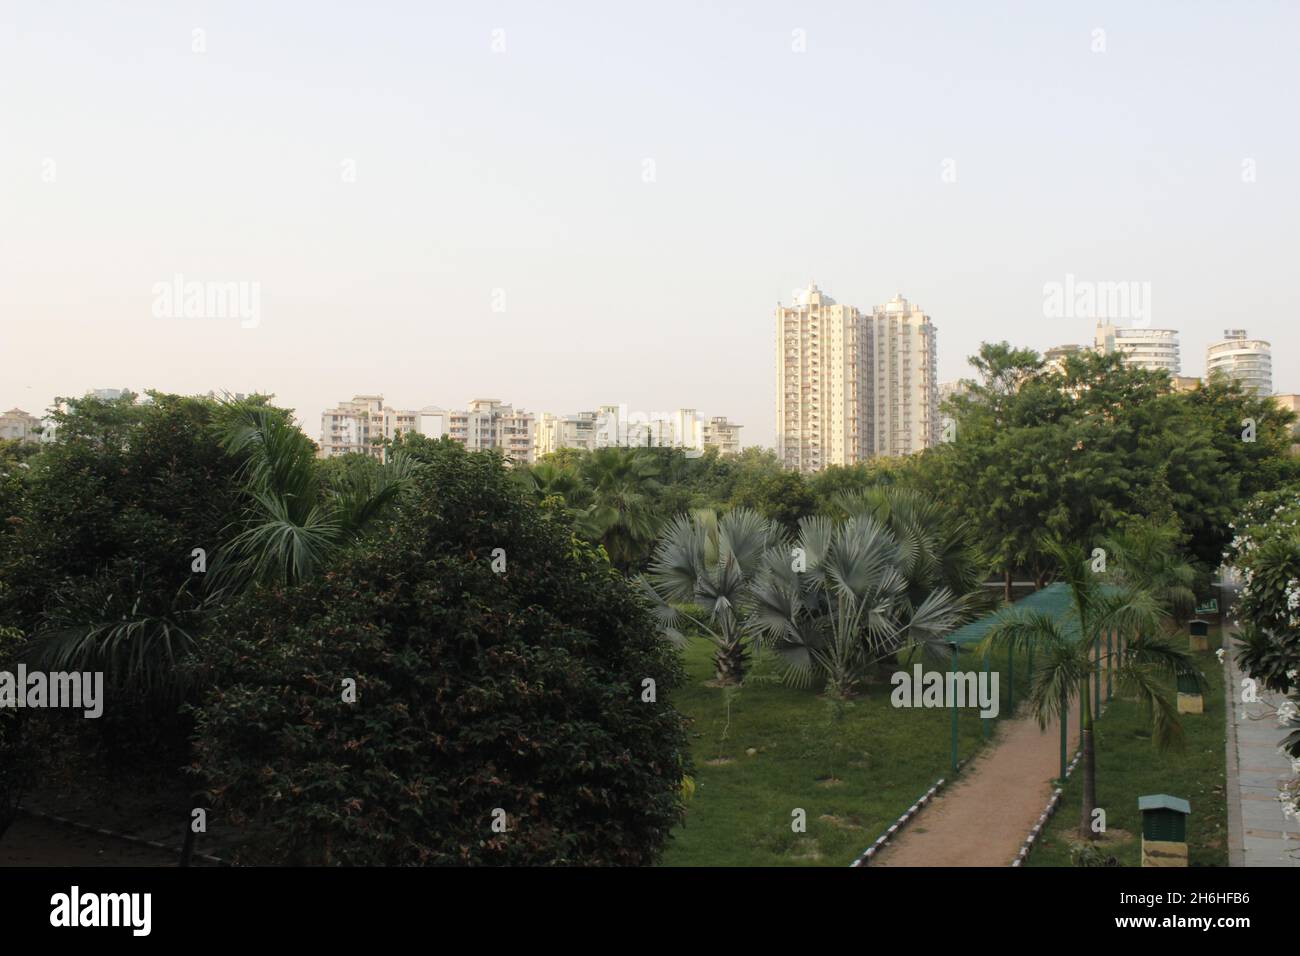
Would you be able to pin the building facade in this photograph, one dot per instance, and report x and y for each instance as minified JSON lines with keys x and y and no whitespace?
{"x":18,"y":425}
{"x":902,"y":407}
{"x":850,"y":386}
{"x":1240,"y":359}
{"x":363,"y":424}
{"x":821,"y":383}
{"x":721,"y":434}
{"x":1151,"y":349}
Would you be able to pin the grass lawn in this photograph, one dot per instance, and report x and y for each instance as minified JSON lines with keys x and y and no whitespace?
{"x":740,"y":814}
{"x":1129,"y":765}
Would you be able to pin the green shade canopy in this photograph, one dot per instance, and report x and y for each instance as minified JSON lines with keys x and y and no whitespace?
{"x":1054,"y":600}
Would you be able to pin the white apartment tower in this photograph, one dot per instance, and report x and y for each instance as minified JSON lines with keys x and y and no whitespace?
{"x":851,"y":386}
{"x":1248,"y":361}
{"x":902,"y":407}
{"x":1152,"y":349}
{"x":820,"y":382}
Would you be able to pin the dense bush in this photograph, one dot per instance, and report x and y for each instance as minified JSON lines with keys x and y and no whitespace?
{"x":476,"y":691}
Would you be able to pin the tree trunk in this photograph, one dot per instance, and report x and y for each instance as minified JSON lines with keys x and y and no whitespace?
{"x":729,"y":664}
{"x":1006,"y":584}
{"x":1089,"y":764}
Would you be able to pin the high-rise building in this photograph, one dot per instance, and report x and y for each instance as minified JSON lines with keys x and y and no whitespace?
{"x":902,"y":407}
{"x":851,"y":386}
{"x":1248,"y":361}
{"x":362,"y":424}
{"x":18,"y":425}
{"x":821,"y":382}
{"x":1151,"y":349}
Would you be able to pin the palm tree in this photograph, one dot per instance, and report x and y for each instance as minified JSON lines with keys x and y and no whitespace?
{"x":621,"y":513}
{"x":840,"y":602}
{"x":1146,"y":553}
{"x":1141,"y":661}
{"x":297,"y":517}
{"x":700,"y":575}
{"x":936,"y":547}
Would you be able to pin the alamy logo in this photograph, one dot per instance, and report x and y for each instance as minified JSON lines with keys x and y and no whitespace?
{"x":58,"y":689}
{"x":72,"y":909}
{"x":924,"y":688}
{"x":1110,"y":301}
{"x":180,"y":299}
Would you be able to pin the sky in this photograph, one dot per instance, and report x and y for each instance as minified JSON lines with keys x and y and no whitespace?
{"x":569,"y":204}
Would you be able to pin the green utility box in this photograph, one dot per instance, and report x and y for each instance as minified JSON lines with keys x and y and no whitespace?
{"x":1200,"y":634}
{"x":1190,"y":700}
{"x":1164,"y":829}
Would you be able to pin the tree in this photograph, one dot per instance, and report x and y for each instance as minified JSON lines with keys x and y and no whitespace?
{"x":700,"y":576}
{"x":840,"y":602}
{"x":1068,"y":648}
{"x":297,"y":514}
{"x":622,"y":515}
{"x":512,"y":700}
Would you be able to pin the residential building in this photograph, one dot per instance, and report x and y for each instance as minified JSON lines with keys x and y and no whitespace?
{"x":1054,"y":358}
{"x":902,"y":406}
{"x":821,"y":382}
{"x":18,"y":425}
{"x":489,"y":424}
{"x":851,"y":386}
{"x":1291,"y":402}
{"x":355,"y":426}
{"x":1185,"y":383}
{"x":615,"y":425}
{"x":721,"y":434}
{"x":553,"y":432}
{"x":1248,"y":361}
{"x":1152,"y":349}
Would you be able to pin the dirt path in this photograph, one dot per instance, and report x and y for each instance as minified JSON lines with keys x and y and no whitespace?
{"x":986,"y":815}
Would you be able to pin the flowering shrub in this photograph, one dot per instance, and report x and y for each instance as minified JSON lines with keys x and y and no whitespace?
{"x":1265,"y":551}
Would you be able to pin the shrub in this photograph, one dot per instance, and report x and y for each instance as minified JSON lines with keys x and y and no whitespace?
{"x":476,"y":691}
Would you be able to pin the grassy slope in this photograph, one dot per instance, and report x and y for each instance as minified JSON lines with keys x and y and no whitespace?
{"x":1128,"y":766}
{"x":741,"y":812}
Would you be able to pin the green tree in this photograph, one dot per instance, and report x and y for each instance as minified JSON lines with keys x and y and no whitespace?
{"x":839,"y":602}
{"x":1067,"y":649}
{"x":699,"y":581}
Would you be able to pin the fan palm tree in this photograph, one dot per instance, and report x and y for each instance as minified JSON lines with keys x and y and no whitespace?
{"x":935,"y":546}
{"x":700,"y":575}
{"x":1142,"y":661}
{"x":840,"y":602}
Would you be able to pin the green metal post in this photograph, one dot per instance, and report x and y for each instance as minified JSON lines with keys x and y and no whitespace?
{"x":1011,"y":679}
{"x":954,"y":710}
{"x":984,"y":722}
{"x":1096,"y":672}
{"x":1110,"y":670}
{"x":1065,"y":720}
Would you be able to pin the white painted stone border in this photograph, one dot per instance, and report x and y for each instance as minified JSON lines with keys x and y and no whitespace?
{"x":903,"y":820}
{"x":1052,"y":806}
{"x":139,"y":841}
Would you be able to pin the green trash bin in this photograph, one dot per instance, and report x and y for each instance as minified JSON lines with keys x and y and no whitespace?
{"x":1164,"y":829}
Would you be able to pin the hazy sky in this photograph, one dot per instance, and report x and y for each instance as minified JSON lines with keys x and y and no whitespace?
{"x":515,"y":179}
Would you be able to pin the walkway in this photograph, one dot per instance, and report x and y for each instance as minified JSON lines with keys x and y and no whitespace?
{"x":1258,"y":832}
{"x":984,"y":817}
